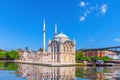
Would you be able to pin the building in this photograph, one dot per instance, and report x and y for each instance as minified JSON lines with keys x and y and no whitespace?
{"x":110,"y":54}
{"x":29,"y":56}
{"x":61,"y":50}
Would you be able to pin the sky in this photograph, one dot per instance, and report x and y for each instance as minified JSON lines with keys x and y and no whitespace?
{"x":92,"y":23}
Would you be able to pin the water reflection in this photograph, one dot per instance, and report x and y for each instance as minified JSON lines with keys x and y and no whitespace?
{"x":34,"y":72}
{"x":99,"y":73}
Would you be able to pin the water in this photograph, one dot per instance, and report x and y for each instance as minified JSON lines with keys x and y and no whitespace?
{"x":15,"y":71}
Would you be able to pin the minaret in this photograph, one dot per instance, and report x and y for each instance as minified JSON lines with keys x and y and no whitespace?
{"x":55,"y":29}
{"x":44,"y":36}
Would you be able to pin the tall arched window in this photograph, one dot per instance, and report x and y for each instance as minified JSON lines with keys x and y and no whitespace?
{"x":70,"y":49}
{"x":57,"y":48}
{"x":52,"y":49}
{"x":67,"y":48}
{"x":64,"y":49}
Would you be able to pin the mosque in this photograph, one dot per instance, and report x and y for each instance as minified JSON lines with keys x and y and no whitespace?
{"x":61,"y":50}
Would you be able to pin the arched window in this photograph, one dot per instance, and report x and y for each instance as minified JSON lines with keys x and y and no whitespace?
{"x":51,"y":48}
{"x":70,"y":49}
{"x":67,"y":49}
{"x":54,"y":49}
{"x":64,"y":49}
{"x":57,"y":48}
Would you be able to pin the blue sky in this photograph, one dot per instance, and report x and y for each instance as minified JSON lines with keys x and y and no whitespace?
{"x":93,"y":23}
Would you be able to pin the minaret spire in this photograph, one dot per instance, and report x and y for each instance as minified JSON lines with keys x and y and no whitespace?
{"x":44,"y":36}
{"x":55,"y":29}
{"x":44,"y":27}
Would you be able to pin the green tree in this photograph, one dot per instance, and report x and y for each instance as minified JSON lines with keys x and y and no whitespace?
{"x":85,"y":58}
{"x":2,"y":55}
{"x":80,"y":56}
{"x":12,"y":54}
{"x":94,"y":58}
{"x":106,"y":58}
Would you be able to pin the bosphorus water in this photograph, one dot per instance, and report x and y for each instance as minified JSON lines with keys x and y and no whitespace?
{"x":17,"y":71}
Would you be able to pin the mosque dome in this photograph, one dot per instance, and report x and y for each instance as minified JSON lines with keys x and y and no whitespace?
{"x":61,"y":38}
{"x":61,"y":35}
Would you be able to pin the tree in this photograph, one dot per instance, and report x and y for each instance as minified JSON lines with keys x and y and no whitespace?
{"x":81,"y":53}
{"x":2,"y":55}
{"x":85,"y":58}
{"x":106,"y":58}
{"x":12,"y":54}
{"x":80,"y":56}
{"x":95,"y":58}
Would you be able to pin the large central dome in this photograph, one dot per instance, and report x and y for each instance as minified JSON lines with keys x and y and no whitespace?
{"x":61,"y":35}
{"x":61,"y":38}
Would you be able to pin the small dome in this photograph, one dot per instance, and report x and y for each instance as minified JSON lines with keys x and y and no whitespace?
{"x":61,"y":35}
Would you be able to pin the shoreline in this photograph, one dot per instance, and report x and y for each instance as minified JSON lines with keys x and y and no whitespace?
{"x":53,"y":64}
{"x":46,"y":64}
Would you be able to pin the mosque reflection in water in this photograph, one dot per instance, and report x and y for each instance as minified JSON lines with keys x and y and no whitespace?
{"x":35,"y":72}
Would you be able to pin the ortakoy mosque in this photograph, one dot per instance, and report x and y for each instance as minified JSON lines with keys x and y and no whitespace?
{"x":61,"y":50}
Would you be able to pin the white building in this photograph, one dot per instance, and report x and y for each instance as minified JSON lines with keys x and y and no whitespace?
{"x":111,"y":54}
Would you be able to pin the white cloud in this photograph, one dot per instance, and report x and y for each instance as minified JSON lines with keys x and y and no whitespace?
{"x":82,"y":18}
{"x":117,"y":40}
{"x":82,"y":4}
{"x":103,"y":8}
{"x":91,"y":7}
